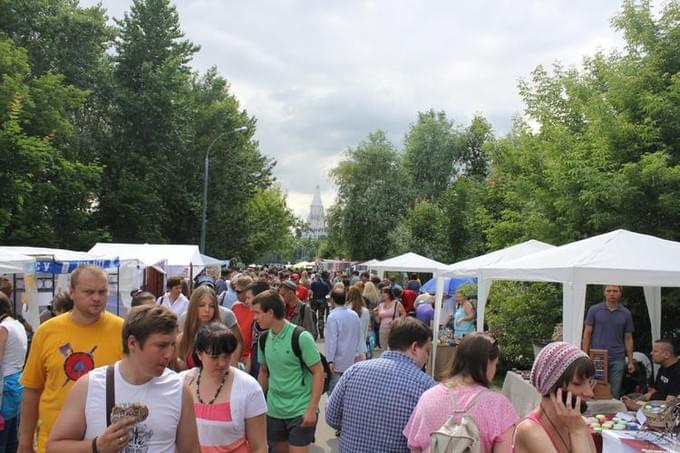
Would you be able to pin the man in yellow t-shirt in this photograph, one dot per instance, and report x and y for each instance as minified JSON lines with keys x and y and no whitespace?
{"x":65,"y":348}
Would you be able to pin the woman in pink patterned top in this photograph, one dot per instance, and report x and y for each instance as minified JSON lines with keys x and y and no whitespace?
{"x":562,"y":374}
{"x":472,"y":370}
{"x":229,"y":404}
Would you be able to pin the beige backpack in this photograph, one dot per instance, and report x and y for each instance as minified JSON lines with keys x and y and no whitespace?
{"x":459,"y":434}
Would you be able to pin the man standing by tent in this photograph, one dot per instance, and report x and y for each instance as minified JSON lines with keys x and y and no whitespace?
{"x":64,"y":349}
{"x":609,"y":325}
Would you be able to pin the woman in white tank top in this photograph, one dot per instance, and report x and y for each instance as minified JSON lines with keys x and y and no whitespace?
{"x":13,"y":344}
{"x":229,"y":404}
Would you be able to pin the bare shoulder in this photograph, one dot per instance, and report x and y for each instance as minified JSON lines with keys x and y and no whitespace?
{"x":531,"y":437}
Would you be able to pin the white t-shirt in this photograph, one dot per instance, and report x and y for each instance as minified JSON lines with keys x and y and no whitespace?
{"x":178,"y":307}
{"x":223,"y":424}
{"x":162,"y":395}
{"x":15,"y":348}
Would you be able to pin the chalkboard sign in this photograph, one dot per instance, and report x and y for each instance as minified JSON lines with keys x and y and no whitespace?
{"x":602,"y":390}
{"x":600,"y":362}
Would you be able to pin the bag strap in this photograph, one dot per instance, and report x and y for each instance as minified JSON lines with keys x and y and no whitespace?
{"x":469,"y":405}
{"x":295,"y":344}
{"x":110,"y":393}
{"x":263,"y":342}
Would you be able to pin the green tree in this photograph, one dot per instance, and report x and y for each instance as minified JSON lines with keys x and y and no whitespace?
{"x":422,"y":231}
{"x":144,"y":168}
{"x":269,"y":224}
{"x":430,"y":151}
{"x":47,"y":197}
{"x":370,"y":197}
{"x":472,"y":158}
{"x":238,"y":171}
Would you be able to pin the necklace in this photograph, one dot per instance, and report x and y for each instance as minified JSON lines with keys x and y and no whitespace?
{"x":219,"y":389}
{"x":557,"y":431}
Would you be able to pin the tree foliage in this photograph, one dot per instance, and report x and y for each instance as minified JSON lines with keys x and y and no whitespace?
{"x":99,"y":145}
{"x":371,"y":192}
{"x":597,"y":149}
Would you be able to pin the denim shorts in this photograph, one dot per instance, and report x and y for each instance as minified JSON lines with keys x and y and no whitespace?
{"x":289,"y":430}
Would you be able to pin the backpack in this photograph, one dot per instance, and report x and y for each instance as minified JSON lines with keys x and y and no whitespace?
{"x":303,"y":311}
{"x":459,"y":434}
{"x":295,"y":344}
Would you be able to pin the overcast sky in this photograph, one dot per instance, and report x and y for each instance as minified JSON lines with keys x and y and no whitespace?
{"x":319,"y":76}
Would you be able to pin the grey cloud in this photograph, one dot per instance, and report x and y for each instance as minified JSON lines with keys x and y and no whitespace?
{"x":319,"y":76}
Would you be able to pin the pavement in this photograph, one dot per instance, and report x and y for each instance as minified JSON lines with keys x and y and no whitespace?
{"x":325,"y":435}
{"x":326,"y":442}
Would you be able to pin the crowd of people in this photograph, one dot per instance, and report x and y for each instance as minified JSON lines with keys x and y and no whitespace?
{"x":234,"y":366}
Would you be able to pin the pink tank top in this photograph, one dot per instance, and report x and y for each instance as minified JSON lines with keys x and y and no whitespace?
{"x":387,"y":315}
{"x":534,"y":417}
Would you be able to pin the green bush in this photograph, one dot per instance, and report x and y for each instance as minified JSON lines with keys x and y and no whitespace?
{"x":520,"y":313}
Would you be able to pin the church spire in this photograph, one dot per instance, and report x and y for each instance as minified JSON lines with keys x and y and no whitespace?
{"x":316,"y":219}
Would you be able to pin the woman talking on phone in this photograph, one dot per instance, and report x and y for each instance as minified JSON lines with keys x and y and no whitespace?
{"x":562,"y":375}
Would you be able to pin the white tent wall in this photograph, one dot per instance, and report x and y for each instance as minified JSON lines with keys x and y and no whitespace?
{"x":653,"y":298}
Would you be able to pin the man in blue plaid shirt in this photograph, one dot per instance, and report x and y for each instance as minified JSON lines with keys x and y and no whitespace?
{"x":373,"y":400}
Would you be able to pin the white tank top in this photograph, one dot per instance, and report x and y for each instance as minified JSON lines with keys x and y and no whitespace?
{"x":15,"y":348}
{"x":162,"y":395}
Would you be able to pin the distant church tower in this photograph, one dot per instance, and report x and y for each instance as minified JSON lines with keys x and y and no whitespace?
{"x":316,"y":219}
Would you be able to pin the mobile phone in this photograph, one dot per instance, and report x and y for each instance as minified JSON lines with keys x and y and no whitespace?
{"x":584,"y":405}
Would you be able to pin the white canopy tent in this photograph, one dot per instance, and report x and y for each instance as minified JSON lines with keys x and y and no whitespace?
{"x":210,"y":261}
{"x":474,"y":267}
{"x":60,"y":262}
{"x":408,"y":262}
{"x":412,"y":262}
{"x":12,"y":262}
{"x":619,"y":257}
{"x":169,"y":259}
{"x":173,"y":259}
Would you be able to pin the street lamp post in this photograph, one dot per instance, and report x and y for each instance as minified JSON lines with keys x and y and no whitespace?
{"x":206,"y":166}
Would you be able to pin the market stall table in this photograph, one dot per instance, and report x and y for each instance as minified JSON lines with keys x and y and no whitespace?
{"x":634,"y":442}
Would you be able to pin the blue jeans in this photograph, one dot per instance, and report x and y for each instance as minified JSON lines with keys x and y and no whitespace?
{"x":617,"y":368}
{"x":9,"y":441}
{"x":334,"y":381}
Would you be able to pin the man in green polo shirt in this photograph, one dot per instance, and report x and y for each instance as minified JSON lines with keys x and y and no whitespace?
{"x":293,"y":390}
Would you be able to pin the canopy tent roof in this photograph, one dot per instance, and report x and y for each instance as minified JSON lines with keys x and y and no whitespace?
{"x":408,"y":262}
{"x":61,"y":260}
{"x":621,"y":257}
{"x":303,"y":265}
{"x":152,"y":254}
{"x":12,"y":262}
{"x":474,"y":267}
{"x":471,"y":267}
{"x":210,"y":261}
{"x":58,"y":254}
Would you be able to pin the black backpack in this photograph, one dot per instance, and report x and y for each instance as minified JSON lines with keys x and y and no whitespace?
{"x":295,"y":344}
